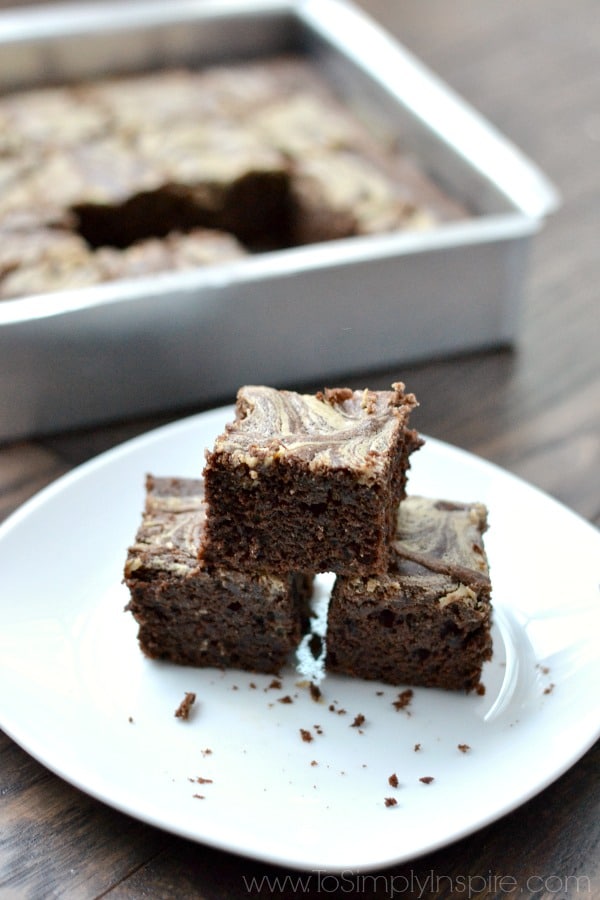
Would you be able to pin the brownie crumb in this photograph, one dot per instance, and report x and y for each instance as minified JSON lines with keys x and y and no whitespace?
{"x":480,"y":689}
{"x":313,"y":762}
{"x":427,"y":779}
{"x":306,"y":735}
{"x":206,"y":752}
{"x":318,"y":729}
{"x":275,"y":685}
{"x":341,"y":712}
{"x":252,"y":685}
{"x":184,"y":708}
{"x":130,"y":719}
{"x":393,"y":780}
{"x":315,"y":645}
{"x":390,"y":801}
{"x":315,"y":691}
{"x":199,"y":797}
{"x":464,"y":748}
{"x":549,"y":689}
{"x":404,"y":699}
{"x":416,"y":748}
{"x":286,"y":699}
{"x":201,"y":780}
{"x":358,"y":721}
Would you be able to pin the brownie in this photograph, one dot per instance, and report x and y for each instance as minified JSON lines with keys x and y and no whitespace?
{"x":193,"y":617}
{"x":426,"y":621}
{"x":175,"y":252}
{"x":201,"y":247}
{"x":306,"y":123}
{"x":35,"y":260}
{"x":48,"y":117}
{"x":308,"y":482}
{"x":341,"y":194}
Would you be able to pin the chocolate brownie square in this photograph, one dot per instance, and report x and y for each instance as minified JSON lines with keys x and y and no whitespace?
{"x":192,"y":617}
{"x":176,"y":251}
{"x":308,"y":482}
{"x":426,"y":621}
{"x":339,"y":193}
{"x":34,"y":260}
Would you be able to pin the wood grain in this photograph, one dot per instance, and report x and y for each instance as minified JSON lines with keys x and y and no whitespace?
{"x":533,"y":69}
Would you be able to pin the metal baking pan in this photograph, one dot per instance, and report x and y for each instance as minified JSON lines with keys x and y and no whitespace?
{"x":310,"y":314}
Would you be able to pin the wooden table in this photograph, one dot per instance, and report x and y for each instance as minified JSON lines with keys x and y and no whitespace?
{"x":533,"y":69}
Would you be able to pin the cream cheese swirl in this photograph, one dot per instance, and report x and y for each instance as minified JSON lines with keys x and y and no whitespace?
{"x":171,"y":529}
{"x":444,"y":538}
{"x":338,"y":428}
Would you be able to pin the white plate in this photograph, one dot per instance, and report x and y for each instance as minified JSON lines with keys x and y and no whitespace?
{"x":78,"y":695}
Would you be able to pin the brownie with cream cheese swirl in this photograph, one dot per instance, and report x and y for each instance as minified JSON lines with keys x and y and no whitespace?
{"x":311,"y":478}
{"x":426,"y":621}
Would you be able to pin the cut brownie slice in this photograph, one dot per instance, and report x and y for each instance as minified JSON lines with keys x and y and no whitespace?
{"x":313,"y":482}
{"x":339,"y":194}
{"x":35,"y":260}
{"x":188,"y":616}
{"x":427,"y":620}
{"x":176,"y":251}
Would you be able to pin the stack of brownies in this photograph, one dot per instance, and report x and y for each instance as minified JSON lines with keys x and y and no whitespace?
{"x":222,"y":567}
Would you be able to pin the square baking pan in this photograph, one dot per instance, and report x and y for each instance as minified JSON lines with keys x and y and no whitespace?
{"x":315,"y":313}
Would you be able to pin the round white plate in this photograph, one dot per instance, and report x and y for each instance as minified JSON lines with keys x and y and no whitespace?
{"x":79,"y":696}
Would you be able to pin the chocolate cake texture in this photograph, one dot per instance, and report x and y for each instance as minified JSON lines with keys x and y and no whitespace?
{"x":308,"y":480}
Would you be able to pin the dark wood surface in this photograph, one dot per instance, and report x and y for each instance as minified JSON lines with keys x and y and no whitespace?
{"x":533,"y":68}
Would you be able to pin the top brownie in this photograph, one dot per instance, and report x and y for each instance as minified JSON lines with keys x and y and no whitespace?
{"x":308,"y":481}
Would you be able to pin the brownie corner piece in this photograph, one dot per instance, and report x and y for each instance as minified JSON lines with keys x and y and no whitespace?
{"x":427,"y":620}
{"x":302,"y":481}
{"x":191,"y":616}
